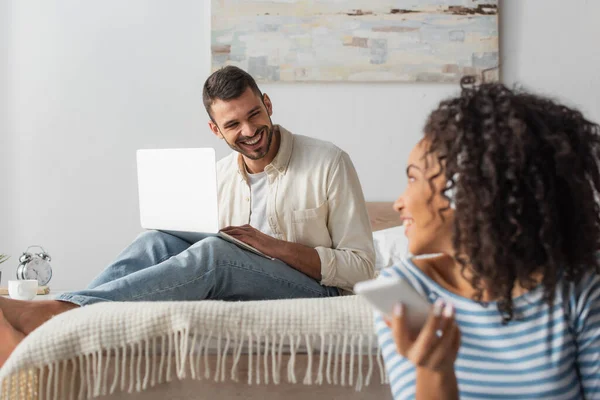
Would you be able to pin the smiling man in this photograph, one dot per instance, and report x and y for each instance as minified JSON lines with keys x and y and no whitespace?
{"x":294,"y":198}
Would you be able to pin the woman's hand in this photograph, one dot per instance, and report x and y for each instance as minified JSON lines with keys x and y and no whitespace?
{"x":436,"y":346}
{"x":433,"y":350}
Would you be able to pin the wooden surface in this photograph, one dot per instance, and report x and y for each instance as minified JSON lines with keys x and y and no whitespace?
{"x":42,"y":290}
{"x":382,"y":215}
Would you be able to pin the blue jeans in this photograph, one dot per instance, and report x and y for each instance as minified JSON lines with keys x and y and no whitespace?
{"x":162,"y":267}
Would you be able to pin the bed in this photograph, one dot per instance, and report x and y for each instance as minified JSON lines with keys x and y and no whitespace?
{"x":210,"y":349}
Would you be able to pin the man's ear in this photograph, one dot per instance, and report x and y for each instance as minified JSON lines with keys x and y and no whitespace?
{"x":268,"y":104}
{"x":215,"y":129}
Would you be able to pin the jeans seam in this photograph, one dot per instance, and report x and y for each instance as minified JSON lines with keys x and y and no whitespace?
{"x":237,"y":266}
{"x":160,"y":260}
{"x":173,"y":287}
{"x":75,"y":299}
{"x":291,"y":283}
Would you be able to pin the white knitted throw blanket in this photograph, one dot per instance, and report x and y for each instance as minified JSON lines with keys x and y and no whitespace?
{"x":103,"y":348}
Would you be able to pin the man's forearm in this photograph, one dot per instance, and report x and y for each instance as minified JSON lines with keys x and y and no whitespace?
{"x":436,"y":385}
{"x":303,"y":258}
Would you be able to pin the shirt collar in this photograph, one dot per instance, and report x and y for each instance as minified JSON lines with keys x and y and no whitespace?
{"x":282,"y":158}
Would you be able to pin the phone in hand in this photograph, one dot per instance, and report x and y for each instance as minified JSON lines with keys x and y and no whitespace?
{"x":383,"y":293}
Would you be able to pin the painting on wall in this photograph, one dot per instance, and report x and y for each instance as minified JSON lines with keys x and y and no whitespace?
{"x":356,"y":40}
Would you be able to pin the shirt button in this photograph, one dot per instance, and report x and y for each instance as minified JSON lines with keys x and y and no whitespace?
{"x":247,"y":198}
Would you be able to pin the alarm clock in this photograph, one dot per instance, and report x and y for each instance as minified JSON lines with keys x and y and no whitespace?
{"x":35,"y":266}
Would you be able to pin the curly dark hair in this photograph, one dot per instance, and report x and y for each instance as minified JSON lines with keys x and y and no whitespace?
{"x":524,"y":175}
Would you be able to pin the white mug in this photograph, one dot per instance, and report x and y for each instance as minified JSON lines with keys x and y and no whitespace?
{"x":23,"y":290}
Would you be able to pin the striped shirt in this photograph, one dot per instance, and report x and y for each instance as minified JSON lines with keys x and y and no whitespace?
{"x":543,"y":353}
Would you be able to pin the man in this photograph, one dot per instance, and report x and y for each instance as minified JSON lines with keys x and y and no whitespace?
{"x":294,"y":198}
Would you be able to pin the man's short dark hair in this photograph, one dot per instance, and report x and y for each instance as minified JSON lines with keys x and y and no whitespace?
{"x":227,"y":83}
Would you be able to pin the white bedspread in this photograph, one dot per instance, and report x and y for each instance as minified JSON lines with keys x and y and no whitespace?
{"x":125,"y":346}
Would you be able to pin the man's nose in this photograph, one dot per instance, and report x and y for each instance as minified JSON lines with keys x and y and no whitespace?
{"x":248,"y":130}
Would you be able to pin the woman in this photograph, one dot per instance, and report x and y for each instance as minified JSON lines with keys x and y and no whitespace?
{"x":504,"y":186}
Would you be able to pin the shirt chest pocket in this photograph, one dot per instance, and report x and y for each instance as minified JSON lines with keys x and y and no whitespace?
{"x":310,"y":226}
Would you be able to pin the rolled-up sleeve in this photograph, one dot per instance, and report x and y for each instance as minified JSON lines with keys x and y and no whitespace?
{"x":352,"y":256}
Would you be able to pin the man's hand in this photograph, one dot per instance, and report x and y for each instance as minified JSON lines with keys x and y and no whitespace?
{"x":303,"y":258}
{"x":253,"y":237}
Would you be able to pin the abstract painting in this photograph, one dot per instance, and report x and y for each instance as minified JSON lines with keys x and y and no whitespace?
{"x":356,"y":40}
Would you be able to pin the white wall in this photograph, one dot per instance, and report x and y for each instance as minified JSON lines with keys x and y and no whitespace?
{"x":550,"y":46}
{"x":93,"y":81}
{"x":6,"y":223}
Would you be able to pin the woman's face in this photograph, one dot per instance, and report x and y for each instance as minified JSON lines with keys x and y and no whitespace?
{"x":426,"y":230}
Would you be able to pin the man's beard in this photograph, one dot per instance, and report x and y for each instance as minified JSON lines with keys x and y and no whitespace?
{"x":266,"y":130}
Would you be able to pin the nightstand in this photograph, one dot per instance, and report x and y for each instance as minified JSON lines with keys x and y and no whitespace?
{"x":40,"y":297}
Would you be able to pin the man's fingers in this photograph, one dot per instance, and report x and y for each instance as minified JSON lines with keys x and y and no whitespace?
{"x":244,"y":237}
{"x":243,"y":228}
{"x":247,"y":228}
{"x":237,"y":234}
{"x":231,"y":230}
{"x":234,"y":230}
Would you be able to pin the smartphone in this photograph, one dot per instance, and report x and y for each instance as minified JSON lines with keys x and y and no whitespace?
{"x":384,"y":293}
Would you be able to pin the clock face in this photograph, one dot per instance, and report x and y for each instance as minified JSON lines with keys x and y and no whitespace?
{"x":38,"y":269}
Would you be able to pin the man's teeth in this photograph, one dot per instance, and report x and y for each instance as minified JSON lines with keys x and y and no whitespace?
{"x":254,"y":141}
{"x":407,"y":222}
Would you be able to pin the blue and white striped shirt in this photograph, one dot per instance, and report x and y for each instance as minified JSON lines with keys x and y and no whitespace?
{"x":543,"y":353}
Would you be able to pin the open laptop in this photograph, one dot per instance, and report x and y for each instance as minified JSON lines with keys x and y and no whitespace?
{"x":178,"y":194}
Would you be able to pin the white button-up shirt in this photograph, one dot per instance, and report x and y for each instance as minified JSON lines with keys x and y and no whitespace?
{"x":314,"y":198}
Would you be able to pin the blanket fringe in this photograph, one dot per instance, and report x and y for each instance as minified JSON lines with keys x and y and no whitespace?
{"x":138,"y":366}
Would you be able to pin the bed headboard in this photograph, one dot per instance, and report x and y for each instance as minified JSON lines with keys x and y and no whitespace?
{"x":382,"y":215}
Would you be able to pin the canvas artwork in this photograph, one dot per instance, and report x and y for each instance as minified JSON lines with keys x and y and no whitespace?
{"x":356,"y":40}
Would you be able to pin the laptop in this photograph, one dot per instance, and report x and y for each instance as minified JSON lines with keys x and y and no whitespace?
{"x":177,"y":191}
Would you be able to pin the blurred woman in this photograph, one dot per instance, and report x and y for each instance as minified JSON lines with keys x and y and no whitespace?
{"x":504,"y":185}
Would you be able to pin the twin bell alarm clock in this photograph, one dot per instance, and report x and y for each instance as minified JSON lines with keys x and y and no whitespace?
{"x":35,"y":266}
